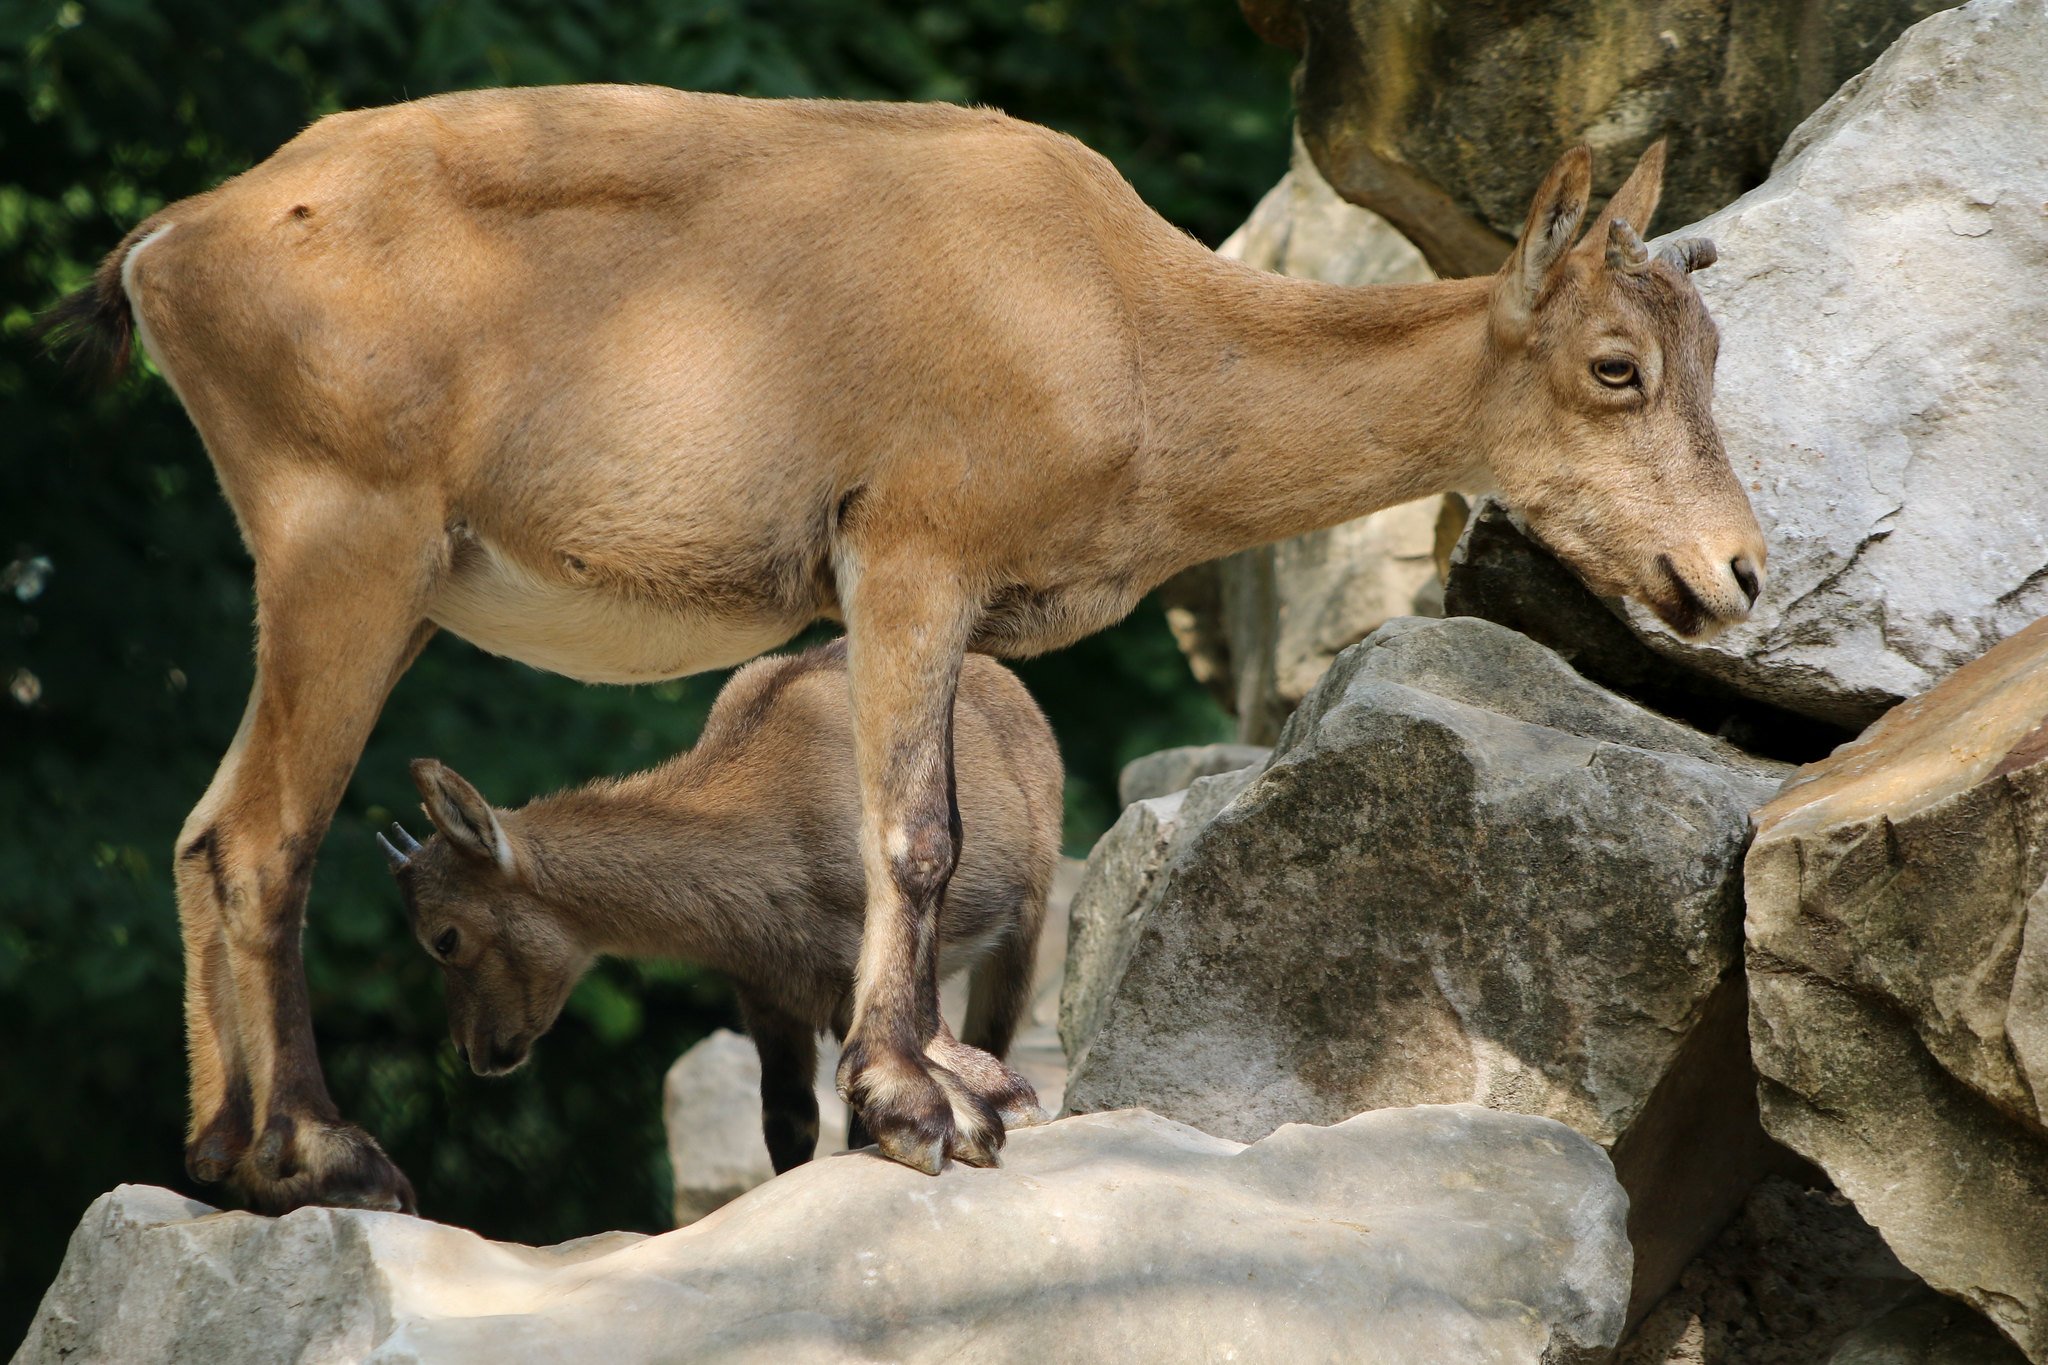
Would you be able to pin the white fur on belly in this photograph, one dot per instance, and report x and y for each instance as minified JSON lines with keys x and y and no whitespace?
{"x":585,"y":632}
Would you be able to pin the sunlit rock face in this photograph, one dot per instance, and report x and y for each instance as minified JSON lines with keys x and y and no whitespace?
{"x":1433,"y":1234}
{"x":1898,"y":962}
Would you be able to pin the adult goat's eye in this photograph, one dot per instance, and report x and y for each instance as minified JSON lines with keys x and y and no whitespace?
{"x":444,"y":946}
{"x":1614,"y":372}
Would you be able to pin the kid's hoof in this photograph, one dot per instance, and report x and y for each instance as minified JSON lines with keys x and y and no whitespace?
{"x":311,"y":1161}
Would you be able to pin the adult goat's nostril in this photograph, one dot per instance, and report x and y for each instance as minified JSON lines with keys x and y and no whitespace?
{"x":1745,"y":575}
{"x":462,"y":1052}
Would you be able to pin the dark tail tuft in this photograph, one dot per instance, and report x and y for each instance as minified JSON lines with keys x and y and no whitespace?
{"x":93,"y":329}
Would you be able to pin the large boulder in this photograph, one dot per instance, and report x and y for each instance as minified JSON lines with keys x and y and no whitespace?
{"x":1898,"y":961}
{"x":1881,"y":389}
{"x":1261,"y":626}
{"x":1442,"y":117}
{"x":1465,"y":874}
{"x":1423,"y":1234}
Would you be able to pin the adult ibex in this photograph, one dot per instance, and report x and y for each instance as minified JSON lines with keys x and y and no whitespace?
{"x":626,"y":383}
{"x":743,"y":854}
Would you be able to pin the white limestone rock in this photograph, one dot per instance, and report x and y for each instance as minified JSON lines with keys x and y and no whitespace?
{"x":1429,"y":1234}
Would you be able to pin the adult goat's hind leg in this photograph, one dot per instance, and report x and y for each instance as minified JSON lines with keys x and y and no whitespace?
{"x":342,"y":582}
{"x":907,"y":626}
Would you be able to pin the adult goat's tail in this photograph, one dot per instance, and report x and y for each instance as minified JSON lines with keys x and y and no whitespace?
{"x":94,"y":328}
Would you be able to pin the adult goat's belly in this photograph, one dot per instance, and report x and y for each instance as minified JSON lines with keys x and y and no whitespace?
{"x":592,"y":632}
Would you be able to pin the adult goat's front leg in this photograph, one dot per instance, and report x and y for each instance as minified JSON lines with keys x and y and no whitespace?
{"x":339,"y":616}
{"x":907,"y":628}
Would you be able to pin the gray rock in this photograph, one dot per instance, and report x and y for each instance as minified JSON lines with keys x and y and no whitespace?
{"x":1898,"y":963}
{"x":1466,"y":874}
{"x":1873,"y":390}
{"x":1119,"y":886}
{"x":1443,"y":117}
{"x":1172,"y":770}
{"x":1499,"y":572}
{"x":1434,"y":1234}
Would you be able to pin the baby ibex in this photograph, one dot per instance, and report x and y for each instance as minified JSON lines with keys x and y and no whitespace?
{"x":743,"y":854}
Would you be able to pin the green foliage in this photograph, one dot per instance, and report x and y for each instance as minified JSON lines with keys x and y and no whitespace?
{"x":127,"y":662}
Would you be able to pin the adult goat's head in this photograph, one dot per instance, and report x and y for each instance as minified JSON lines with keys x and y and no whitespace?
{"x":1602,"y":433}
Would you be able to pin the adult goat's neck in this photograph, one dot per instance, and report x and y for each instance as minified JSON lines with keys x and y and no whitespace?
{"x":1278,"y":406}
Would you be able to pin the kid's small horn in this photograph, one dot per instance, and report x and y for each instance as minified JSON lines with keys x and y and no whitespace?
{"x":400,"y":854}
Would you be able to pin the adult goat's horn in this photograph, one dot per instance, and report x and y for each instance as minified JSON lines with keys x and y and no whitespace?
{"x":1689,"y":253}
{"x":1625,"y":250}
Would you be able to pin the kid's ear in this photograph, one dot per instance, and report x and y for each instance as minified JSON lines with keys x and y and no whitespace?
{"x":460,"y":812}
{"x":1553,"y":225}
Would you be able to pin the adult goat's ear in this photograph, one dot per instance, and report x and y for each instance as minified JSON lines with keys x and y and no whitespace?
{"x":1635,"y":203}
{"x":1554,"y":217}
{"x":460,"y":812}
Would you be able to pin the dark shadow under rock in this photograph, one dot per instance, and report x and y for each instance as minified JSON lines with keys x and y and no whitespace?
{"x":1501,"y":574}
{"x":1798,"y":1278}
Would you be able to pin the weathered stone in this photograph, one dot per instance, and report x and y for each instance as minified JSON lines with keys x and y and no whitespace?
{"x":1445,"y":1234}
{"x":1499,"y":572}
{"x":1283,"y":612}
{"x":1875,"y":392}
{"x":1466,"y":873}
{"x":1118,"y":888}
{"x":1898,"y":960}
{"x":1443,"y":117}
{"x":1172,"y":770}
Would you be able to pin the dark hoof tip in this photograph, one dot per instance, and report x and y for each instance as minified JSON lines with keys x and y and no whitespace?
{"x":273,"y":1156}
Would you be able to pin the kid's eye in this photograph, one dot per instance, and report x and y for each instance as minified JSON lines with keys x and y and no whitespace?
{"x":444,"y":946}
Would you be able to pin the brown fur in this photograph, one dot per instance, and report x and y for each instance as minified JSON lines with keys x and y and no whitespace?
{"x":742,"y":854}
{"x":627,"y":383}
